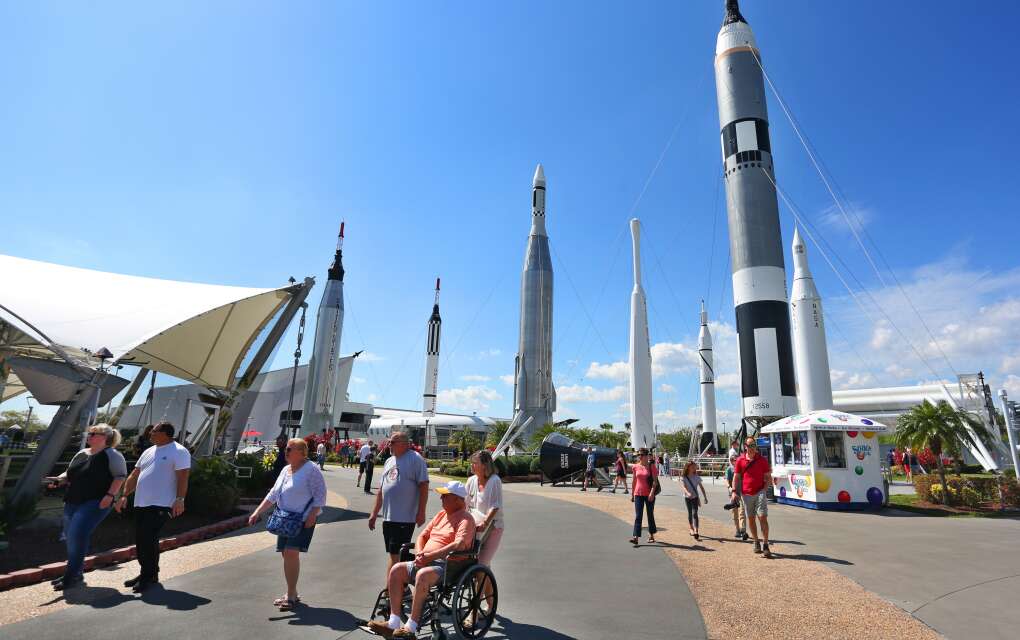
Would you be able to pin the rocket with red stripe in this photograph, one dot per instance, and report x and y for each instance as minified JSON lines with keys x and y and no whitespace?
{"x":767,"y":384}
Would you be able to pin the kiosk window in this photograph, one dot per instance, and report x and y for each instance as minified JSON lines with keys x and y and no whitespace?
{"x":831,"y":450}
{"x":790,"y":448}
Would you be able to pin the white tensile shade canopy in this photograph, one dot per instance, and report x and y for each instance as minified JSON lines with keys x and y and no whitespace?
{"x":196,"y":332}
{"x":825,"y":420}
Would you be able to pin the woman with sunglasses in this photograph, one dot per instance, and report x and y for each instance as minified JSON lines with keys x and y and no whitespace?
{"x":93,"y":479}
{"x":644,"y":477}
{"x":299,"y":488}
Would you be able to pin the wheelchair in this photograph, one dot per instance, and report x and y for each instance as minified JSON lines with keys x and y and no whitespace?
{"x":456,"y":607}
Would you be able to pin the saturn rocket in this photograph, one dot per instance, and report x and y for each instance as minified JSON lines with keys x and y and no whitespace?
{"x":768,"y":387}
{"x":320,"y":386}
{"x":534,"y":395}
{"x":707,"y":384}
{"x":432,"y":359}
{"x":642,"y":426}
{"x":811,"y":356}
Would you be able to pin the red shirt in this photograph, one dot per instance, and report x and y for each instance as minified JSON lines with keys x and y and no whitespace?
{"x":643,"y":479}
{"x":753,"y":473}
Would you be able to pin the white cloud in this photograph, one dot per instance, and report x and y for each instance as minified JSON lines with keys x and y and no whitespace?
{"x":588,"y":393}
{"x":667,"y":388}
{"x":475,"y":378}
{"x":357,"y":380}
{"x":1012,"y":386}
{"x":368,"y":356}
{"x":673,"y":357}
{"x":616,"y":371}
{"x":850,"y":380}
{"x":508,"y":379}
{"x":881,"y":336}
{"x":371,"y":398}
{"x":490,"y":353}
{"x":729,"y":381}
{"x":470,"y":398}
{"x":858,"y":217}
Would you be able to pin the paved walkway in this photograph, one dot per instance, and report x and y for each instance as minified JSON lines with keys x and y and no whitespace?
{"x":550,"y":587}
{"x":960,"y":576}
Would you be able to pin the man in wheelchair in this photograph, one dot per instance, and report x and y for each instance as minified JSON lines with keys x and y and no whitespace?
{"x":453,"y":529}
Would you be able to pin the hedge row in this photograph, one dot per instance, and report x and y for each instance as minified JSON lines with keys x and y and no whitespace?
{"x":969,"y":492}
{"x":505,"y":467}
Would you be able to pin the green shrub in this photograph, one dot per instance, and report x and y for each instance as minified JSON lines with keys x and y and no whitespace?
{"x":261,"y":473}
{"x":970,"y":498}
{"x":212,"y":487}
{"x":535,"y":465}
{"x":457,"y":469}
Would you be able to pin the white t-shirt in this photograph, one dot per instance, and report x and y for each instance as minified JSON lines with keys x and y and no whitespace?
{"x":484,"y":500}
{"x":365,"y":450}
{"x":321,"y":449}
{"x":157,"y":478}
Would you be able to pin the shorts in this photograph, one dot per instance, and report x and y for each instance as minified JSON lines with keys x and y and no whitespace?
{"x":299,"y":542}
{"x":361,"y":467}
{"x":396,"y":535}
{"x":590,"y":474}
{"x":412,"y":571}
{"x":756,"y":505}
{"x":490,"y":546}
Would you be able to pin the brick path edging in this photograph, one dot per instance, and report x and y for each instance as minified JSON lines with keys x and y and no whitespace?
{"x":26,"y":577}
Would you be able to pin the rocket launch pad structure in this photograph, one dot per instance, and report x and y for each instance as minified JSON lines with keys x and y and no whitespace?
{"x":321,"y":406}
{"x":534,"y":395}
{"x":767,"y":383}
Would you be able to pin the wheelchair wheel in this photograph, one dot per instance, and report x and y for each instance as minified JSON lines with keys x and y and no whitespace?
{"x":473,"y":612}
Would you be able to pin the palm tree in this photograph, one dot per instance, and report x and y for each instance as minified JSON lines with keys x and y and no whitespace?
{"x":938,"y":427}
{"x":465,"y":440}
{"x":496,"y":433}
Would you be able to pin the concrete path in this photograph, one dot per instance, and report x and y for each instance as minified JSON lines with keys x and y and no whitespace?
{"x":563,"y":572}
{"x":960,"y":576}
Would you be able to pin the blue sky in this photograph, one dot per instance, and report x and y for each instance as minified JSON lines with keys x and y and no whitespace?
{"x":223,"y":142}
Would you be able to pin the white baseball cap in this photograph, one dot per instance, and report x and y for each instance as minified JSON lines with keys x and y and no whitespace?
{"x":453,"y":488}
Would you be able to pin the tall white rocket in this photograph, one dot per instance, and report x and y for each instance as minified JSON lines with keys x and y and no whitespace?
{"x":810,"y":353}
{"x":642,"y":428}
{"x":432,"y":359}
{"x":707,"y":381}
{"x":320,"y":388}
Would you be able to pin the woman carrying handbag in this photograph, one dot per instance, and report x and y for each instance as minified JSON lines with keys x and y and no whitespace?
{"x":644,"y":487}
{"x":691,"y":480}
{"x":298,"y":495}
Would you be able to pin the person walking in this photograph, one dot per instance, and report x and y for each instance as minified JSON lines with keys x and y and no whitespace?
{"x":370,"y":460}
{"x":644,"y":481}
{"x":907,"y":459}
{"x":93,"y":479}
{"x":344,"y":452}
{"x":320,"y":453}
{"x":363,"y":453}
{"x":160,"y":484}
{"x":750,"y":476}
{"x":299,"y":489}
{"x":589,"y":471}
{"x":402,"y":498}
{"x":621,"y":471}
{"x":691,"y":482}
{"x":485,"y":499}
{"x":736,"y":506}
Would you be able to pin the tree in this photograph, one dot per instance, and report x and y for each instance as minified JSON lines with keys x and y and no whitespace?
{"x":542,"y":432}
{"x":938,"y":427}
{"x":676,"y":441}
{"x":465,"y":440}
{"x":12,"y":417}
{"x":496,"y":433}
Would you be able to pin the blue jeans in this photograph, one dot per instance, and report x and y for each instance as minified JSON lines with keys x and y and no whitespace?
{"x":642,"y":504}
{"x":80,"y":521}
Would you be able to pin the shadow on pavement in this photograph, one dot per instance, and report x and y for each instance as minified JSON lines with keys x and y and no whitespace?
{"x":173,"y":599}
{"x":812,"y":557}
{"x":336,"y":514}
{"x":507,"y":629}
{"x":95,"y":597}
{"x":329,"y":618}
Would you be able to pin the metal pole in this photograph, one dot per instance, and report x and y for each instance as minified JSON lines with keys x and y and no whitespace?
{"x":1007,"y":414}
{"x":129,"y":395}
{"x":297,"y":357}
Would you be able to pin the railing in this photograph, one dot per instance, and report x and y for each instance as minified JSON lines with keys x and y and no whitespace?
{"x":714,"y":466}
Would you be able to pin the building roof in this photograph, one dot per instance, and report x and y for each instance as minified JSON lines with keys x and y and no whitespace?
{"x":195,"y":332}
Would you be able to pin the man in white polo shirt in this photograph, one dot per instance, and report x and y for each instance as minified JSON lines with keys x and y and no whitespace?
{"x":160,"y":484}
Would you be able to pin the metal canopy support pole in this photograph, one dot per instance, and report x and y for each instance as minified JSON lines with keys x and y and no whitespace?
{"x":129,"y":395}
{"x":293,"y":376}
{"x":1009,"y":414}
{"x":55,"y":438}
{"x":298,"y":295}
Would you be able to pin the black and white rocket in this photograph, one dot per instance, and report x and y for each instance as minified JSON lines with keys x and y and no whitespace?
{"x":321,"y":405}
{"x":767,"y":384}
{"x":534,"y":395}
{"x":707,"y":379}
{"x":811,"y":355}
{"x":428,"y":408}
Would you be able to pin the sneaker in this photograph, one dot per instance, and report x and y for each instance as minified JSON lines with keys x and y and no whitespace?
{"x":381,"y":628}
{"x":583,"y":489}
{"x":765,"y":553}
{"x":600,"y":488}
{"x":133,"y":581}
{"x":744,"y":536}
{"x":757,"y":547}
{"x":737,"y":534}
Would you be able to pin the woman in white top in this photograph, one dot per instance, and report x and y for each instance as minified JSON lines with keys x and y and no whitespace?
{"x":485,"y":500}
{"x":301,"y":488}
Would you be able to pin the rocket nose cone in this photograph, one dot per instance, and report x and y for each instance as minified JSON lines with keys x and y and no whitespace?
{"x":539,"y":179}
{"x":797,"y":242}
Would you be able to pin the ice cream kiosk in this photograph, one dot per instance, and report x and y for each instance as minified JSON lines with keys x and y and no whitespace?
{"x":827,"y":460}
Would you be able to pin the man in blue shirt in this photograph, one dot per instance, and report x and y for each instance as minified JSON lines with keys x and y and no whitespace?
{"x":589,"y":471}
{"x":402,"y":497}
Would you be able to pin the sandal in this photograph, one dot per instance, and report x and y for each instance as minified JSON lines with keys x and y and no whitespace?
{"x":651,"y":540}
{"x":633,"y":541}
{"x":284,"y":599}
{"x":287,"y":605}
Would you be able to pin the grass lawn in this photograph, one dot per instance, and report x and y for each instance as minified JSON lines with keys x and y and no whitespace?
{"x":914,"y":504}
